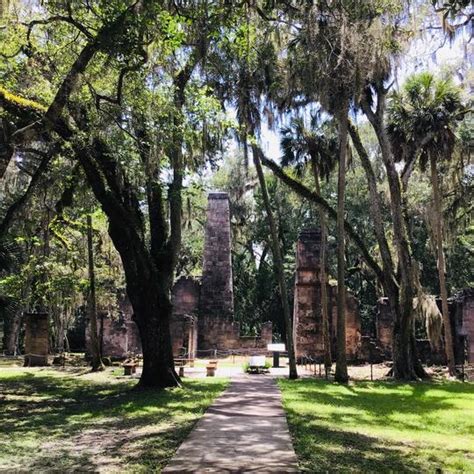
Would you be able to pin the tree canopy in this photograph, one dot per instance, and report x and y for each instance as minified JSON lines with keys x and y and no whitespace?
{"x":132,"y":111}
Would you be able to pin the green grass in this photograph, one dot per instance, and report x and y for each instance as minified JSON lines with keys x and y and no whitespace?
{"x":11,"y":362}
{"x":382,"y":426}
{"x":62,"y":421}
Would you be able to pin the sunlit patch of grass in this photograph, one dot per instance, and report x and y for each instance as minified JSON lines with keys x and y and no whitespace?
{"x":381,"y":426}
{"x":11,"y":362}
{"x":57,"y":420}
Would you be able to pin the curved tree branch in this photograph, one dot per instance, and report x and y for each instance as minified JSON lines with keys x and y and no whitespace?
{"x":375,"y":205}
{"x":305,"y":192}
{"x":20,"y":203}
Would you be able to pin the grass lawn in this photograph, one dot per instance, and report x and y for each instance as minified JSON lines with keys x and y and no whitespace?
{"x":381,"y":426}
{"x":63,"y":421}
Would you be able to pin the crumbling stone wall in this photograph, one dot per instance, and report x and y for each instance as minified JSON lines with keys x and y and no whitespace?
{"x":36,"y":339}
{"x":217,"y":329}
{"x":118,"y":333}
{"x":384,"y":327}
{"x":461,"y":313}
{"x":468,"y":322}
{"x":307,"y":314}
{"x":461,"y":308}
{"x":257,"y":342}
{"x":184,"y":320}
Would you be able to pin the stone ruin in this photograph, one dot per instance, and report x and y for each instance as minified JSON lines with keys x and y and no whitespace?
{"x":203,"y":308}
{"x":36,"y":339}
{"x":307,"y":314}
{"x":118,"y":336}
{"x":463,"y":305}
{"x":308,"y":318}
{"x":209,"y":301}
{"x":184,"y":321}
{"x":461,"y":314}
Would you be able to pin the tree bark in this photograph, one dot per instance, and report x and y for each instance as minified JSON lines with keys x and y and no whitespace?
{"x":96,"y":361}
{"x":389,"y":281}
{"x":323,"y":278}
{"x":438,"y":224}
{"x":406,"y":365}
{"x":341,"y":374}
{"x":278,"y":261}
{"x":152,"y":308}
{"x":126,"y":229}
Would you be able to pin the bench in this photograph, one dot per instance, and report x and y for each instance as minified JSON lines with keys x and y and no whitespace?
{"x":129,"y":367}
{"x":181,"y":363}
{"x":211,"y":368}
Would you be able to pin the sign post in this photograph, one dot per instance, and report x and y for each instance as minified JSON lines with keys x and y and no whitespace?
{"x":276,"y":349}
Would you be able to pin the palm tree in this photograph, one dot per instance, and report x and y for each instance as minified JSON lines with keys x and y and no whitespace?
{"x":422,"y":121}
{"x":319,"y":147}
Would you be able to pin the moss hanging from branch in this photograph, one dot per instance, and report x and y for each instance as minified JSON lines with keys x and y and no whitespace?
{"x":8,"y":98}
{"x":428,"y":312}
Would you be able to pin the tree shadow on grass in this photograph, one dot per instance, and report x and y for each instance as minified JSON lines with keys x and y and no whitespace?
{"x":376,"y":403}
{"x":124,"y":450}
{"x":328,"y":421}
{"x":321,"y":449}
{"x":77,"y":424}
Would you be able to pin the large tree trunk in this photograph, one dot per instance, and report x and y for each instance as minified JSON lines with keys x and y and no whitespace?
{"x":152,"y":316}
{"x":406,"y":364}
{"x":438,"y":228}
{"x":341,"y":361}
{"x":143,"y":280}
{"x":278,"y":261}
{"x":389,"y":281}
{"x":96,"y":361}
{"x":323,"y":278}
{"x":149,"y":294}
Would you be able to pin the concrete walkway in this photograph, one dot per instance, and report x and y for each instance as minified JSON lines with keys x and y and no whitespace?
{"x":244,"y":430}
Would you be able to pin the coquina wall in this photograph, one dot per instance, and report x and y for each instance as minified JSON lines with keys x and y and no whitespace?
{"x":307,"y":314}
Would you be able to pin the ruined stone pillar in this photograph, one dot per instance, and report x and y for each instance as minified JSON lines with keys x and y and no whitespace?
{"x":217,"y":298}
{"x":462,"y":316}
{"x":307,"y":321}
{"x":384,"y":327}
{"x":468,"y":324}
{"x":184,"y":320}
{"x":307,"y":314}
{"x":36,"y":339}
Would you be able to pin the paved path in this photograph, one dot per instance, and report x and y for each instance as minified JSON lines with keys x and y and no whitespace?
{"x":244,"y":430}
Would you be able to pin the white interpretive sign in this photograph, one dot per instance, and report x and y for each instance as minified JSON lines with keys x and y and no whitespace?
{"x":276,"y":347}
